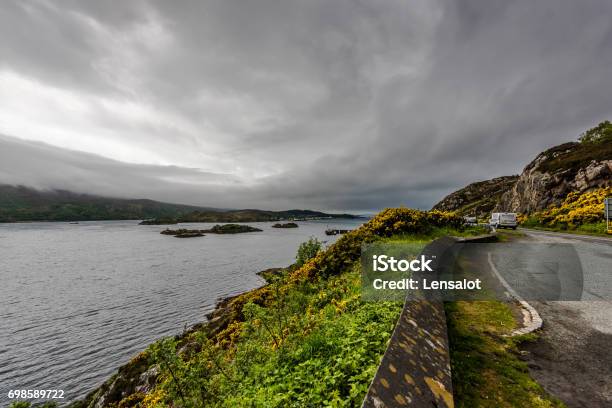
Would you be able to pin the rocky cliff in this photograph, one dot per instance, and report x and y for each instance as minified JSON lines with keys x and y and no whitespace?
{"x":553,"y":174}
{"x":477,"y":199}
{"x":570,"y":167}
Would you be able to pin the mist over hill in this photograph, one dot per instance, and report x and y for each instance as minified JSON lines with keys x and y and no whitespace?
{"x":20,"y":203}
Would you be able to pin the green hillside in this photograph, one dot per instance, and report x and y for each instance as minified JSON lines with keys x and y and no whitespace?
{"x":256,"y":215}
{"x":477,"y":199}
{"x":18,"y":203}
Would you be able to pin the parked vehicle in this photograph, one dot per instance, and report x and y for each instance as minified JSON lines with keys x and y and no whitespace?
{"x":503,"y":220}
{"x":470,"y":220}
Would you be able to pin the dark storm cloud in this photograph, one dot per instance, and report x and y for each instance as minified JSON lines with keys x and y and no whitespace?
{"x":332,"y":105}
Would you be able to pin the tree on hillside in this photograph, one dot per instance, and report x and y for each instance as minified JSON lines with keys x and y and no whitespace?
{"x":601,"y":133}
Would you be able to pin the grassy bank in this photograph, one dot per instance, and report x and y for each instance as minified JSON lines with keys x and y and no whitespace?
{"x":312,"y":342}
{"x":485,"y":361}
{"x":486,"y":368}
{"x":315,"y":344}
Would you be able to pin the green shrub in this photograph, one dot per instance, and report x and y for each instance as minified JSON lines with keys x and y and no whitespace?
{"x":307,"y":251}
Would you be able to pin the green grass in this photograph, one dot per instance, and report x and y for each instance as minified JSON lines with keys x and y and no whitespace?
{"x":485,"y":365}
{"x":438,"y":232}
{"x":341,"y":340}
{"x":486,"y":369}
{"x":318,"y":345}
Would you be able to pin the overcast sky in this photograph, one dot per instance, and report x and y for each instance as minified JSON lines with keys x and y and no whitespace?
{"x":354,"y":105}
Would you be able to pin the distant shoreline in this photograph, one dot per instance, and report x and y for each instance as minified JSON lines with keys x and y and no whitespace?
{"x":348,"y":217}
{"x":25,"y":204}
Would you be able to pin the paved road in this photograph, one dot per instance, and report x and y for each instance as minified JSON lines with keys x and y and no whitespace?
{"x":595,"y":254}
{"x":573,"y":358}
{"x":571,"y":237}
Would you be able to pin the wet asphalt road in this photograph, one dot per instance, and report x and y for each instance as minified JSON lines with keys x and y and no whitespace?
{"x":595,"y":255}
{"x":572,"y":360}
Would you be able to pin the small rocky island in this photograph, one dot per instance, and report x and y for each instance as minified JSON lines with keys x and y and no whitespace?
{"x":183,"y":233}
{"x":217,"y":229}
{"x":286,"y":225}
{"x":231,"y":229}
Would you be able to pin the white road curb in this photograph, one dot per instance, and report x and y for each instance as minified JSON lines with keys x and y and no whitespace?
{"x":531,"y":318}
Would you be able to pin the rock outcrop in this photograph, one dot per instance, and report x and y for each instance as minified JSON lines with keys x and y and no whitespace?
{"x":553,"y":174}
{"x":547,"y":180}
{"x":477,"y":199}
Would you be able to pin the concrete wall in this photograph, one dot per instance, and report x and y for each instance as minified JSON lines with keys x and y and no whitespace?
{"x":415,"y":369}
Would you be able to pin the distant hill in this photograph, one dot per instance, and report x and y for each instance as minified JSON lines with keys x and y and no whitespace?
{"x":19,"y":203}
{"x":256,"y":215}
{"x":574,"y":167}
{"x":477,"y":199}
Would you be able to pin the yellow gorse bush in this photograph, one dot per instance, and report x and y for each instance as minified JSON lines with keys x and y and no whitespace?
{"x":576,"y":209}
{"x":343,"y":253}
{"x":389,"y":222}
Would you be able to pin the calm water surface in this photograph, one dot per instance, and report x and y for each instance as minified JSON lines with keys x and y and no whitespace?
{"x":79,"y":300}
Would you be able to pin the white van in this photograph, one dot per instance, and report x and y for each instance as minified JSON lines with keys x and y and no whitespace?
{"x":503,"y":220}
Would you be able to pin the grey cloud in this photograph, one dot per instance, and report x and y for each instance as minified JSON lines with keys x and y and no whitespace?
{"x":331,"y":105}
{"x":47,"y":167}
